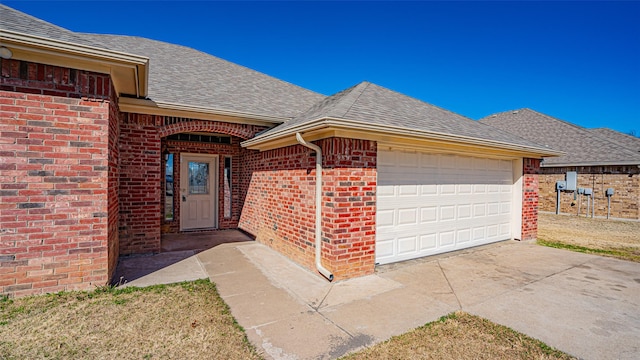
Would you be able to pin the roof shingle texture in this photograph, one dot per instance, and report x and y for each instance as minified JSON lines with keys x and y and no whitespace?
{"x":16,"y":21}
{"x":179,"y":74}
{"x":628,"y":141}
{"x":374,"y":104}
{"x":581,"y":147}
{"x":182,"y":75}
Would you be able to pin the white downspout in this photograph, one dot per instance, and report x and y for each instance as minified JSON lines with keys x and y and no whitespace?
{"x":321,"y":269}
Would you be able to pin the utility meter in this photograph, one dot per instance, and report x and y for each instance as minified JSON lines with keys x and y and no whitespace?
{"x":610,"y":192}
{"x":561,"y":185}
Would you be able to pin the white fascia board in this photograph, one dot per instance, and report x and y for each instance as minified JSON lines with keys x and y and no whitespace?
{"x":394,"y":130}
{"x":79,"y":49}
{"x":146,"y":106}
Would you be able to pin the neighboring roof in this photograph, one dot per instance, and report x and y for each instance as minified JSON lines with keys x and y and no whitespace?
{"x":370,"y":105}
{"x":626,"y":140}
{"x":581,"y":147}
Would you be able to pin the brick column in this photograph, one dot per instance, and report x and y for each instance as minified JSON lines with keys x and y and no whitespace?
{"x":349,"y":206}
{"x":530,"y":171}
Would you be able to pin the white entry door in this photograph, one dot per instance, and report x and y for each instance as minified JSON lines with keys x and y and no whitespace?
{"x":198,"y":191}
{"x":433,"y":203}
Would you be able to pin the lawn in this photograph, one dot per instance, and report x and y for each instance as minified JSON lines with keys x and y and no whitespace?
{"x":180,"y":321}
{"x":460,"y":336}
{"x":190,"y":321}
{"x":614,"y":238}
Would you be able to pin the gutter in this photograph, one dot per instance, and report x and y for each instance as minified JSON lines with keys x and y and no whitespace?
{"x":329,"y":122}
{"x":603,"y":163}
{"x":55,"y":50}
{"x":174,"y":109}
{"x":321,"y":269}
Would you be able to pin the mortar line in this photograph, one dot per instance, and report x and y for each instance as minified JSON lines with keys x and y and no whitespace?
{"x":449,"y":283}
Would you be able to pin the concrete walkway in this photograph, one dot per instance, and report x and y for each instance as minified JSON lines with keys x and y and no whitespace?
{"x":586,"y":305}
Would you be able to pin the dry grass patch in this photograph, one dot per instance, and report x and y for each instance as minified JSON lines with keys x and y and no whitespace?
{"x":615,"y":238}
{"x":180,"y":321}
{"x":460,"y":336}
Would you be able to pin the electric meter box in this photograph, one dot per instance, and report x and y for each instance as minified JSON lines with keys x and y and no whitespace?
{"x":580,"y":191}
{"x":588,"y":191}
{"x":610,"y":192}
{"x":561,"y":185}
{"x":572,"y":180}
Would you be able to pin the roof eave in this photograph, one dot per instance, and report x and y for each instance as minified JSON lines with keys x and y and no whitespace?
{"x":601,"y":163}
{"x":384,"y":133}
{"x":129,"y":72}
{"x":146,"y":106}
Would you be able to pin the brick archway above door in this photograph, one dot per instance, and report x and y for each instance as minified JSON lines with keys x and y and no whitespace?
{"x":243,"y":131}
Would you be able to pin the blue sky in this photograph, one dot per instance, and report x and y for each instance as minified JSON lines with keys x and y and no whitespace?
{"x":576,"y":61}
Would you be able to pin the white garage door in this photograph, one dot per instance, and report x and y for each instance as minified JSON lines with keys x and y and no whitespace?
{"x":433,"y":203}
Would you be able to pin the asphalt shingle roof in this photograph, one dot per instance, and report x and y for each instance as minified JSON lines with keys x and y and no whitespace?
{"x":16,"y":21}
{"x":179,"y":74}
{"x":628,"y":141}
{"x":581,"y":147}
{"x":374,"y":104}
{"x":182,"y":75}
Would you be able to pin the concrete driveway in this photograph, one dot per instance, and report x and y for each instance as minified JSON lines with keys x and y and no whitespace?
{"x":585,"y":305}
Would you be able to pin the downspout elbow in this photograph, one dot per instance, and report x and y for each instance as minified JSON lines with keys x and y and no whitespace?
{"x":318,"y":234}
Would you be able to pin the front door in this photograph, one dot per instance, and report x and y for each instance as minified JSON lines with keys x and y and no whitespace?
{"x":198,"y":191}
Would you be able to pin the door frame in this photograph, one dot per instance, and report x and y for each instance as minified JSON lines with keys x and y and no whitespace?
{"x":213,"y":161}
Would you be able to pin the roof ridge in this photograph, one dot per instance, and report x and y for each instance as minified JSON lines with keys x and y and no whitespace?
{"x":424,"y":102}
{"x":366,"y":85}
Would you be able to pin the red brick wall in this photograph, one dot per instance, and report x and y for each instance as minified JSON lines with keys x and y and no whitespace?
{"x":280,"y":203}
{"x":625,"y":180}
{"x":54,"y":217}
{"x":113,"y":169}
{"x":139,"y":190}
{"x":349,"y":206}
{"x":531,"y":169}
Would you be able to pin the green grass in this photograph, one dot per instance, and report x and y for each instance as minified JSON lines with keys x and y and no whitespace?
{"x":620,"y":253}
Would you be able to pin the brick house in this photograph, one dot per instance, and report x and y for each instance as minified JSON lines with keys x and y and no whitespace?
{"x":108,"y":143}
{"x":602,"y":158}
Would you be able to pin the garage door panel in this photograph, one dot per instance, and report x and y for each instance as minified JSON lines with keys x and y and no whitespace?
{"x":464,"y":211}
{"x":428,"y":242}
{"x":384,"y":218}
{"x":407,"y":190}
{"x":407,"y":216}
{"x":428,"y":214}
{"x":433,"y":203}
{"x":463,"y":236}
{"x":408,"y":245}
{"x":384,"y":249}
{"x":447,"y":239}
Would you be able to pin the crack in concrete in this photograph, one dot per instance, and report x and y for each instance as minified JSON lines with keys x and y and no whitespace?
{"x":449,"y":283}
